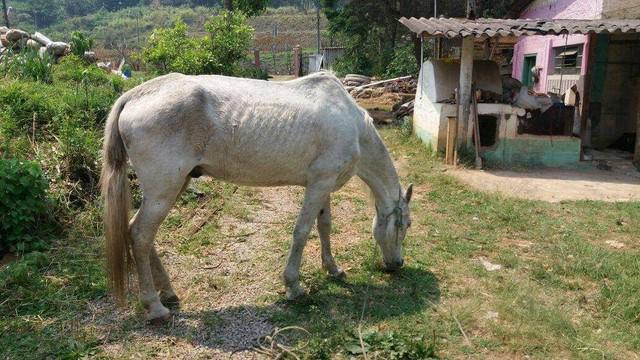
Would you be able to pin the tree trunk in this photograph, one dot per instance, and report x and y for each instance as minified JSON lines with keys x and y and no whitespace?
{"x":5,"y":13}
{"x":228,"y":4}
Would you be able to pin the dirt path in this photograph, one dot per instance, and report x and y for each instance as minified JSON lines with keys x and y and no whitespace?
{"x":554,"y":185}
{"x":227,"y":290}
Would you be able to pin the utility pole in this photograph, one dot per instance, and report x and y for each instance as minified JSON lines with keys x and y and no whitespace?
{"x":5,"y":12}
{"x":318,"y":24}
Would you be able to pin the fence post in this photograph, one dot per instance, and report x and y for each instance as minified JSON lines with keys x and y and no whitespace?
{"x":256,"y":57}
{"x":297,"y":61}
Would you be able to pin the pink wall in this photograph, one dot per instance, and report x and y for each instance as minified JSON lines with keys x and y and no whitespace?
{"x":543,"y":46}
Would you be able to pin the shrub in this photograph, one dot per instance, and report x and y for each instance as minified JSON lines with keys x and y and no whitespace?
{"x":173,"y":50}
{"x":403,"y":63}
{"x":29,"y":106}
{"x":73,"y":68}
{"x":228,"y":40}
{"x":23,"y":203}
{"x":27,"y":65}
{"x":80,"y":43}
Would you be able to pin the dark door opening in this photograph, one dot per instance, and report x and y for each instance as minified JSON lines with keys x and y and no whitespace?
{"x":488,"y":130}
{"x":527,"y":65}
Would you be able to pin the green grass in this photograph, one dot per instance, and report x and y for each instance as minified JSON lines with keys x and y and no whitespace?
{"x":562,"y":291}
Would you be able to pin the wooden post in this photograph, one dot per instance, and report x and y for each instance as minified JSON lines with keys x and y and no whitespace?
{"x":297,"y":61}
{"x":256,"y":57}
{"x":466,"y":78}
{"x":452,"y":128}
{"x":636,"y":153}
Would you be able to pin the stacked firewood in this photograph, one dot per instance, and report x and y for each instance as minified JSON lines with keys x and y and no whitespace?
{"x":18,"y":40}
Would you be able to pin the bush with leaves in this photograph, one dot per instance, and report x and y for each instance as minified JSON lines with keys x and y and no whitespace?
{"x":80,"y":43}
{"x":27,"y":65}
{"x":23,"y":204}
{"x":174,"y":50}
{"x":228,"y":41}
{"x":403,"y":63}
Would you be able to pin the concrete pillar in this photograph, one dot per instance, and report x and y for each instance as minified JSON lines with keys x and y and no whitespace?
{"x":466,"y":78}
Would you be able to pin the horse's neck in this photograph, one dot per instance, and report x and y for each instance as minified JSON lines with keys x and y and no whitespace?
{"x":376,"y":169}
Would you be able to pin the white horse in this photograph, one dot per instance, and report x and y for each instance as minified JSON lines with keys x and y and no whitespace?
{"x":307,"y":132}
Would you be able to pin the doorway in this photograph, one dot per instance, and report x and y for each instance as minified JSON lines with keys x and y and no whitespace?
{"x":527,"y":75}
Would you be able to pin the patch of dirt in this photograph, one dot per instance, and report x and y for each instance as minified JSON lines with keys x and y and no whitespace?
{"x":222,"y":314}
{"x":227,"y":289}
{"x":554,"y":185}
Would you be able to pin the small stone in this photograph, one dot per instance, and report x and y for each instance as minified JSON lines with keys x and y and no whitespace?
{"x":615,"y":244}
{"x":491,"y":315}
{"x":489,"y":266}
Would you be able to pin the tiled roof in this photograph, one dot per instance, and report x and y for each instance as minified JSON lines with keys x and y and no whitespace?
{"x":483,"y":28}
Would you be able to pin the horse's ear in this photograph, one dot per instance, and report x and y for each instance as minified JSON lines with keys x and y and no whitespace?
{"x":408,"y":193}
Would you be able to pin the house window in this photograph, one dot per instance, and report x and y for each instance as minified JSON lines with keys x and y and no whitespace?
{"x":567,"y":60}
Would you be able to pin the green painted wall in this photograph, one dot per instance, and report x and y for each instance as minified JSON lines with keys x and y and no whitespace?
{"x":539,"y":151}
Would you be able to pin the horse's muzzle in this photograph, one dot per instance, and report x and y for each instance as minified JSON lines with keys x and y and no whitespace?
{"x":393,"y":266}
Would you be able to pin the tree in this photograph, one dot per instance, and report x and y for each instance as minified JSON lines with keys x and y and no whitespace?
{"x":249,"y":7}
{"x":370,"y":30}
{"x":219,"y":52}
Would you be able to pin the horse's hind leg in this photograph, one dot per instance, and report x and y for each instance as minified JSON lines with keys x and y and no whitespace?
{"x":161,"y":281}
{"x":324,"y":229}
{"x":160,"y":276}
{"x":159,"y":196}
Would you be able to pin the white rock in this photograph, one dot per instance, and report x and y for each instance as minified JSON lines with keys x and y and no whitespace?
{"x":615,"y":244}
{"x":488,"y":265}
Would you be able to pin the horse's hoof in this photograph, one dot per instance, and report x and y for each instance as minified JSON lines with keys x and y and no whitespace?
{"x":338,"y":274}
{"x":159,"y":317}
{"x":295,"y":292}
{"x":172,"y":302}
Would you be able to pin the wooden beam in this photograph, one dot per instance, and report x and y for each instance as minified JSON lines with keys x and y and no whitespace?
{"x":464,"y":88}
{"x":450,"y":150}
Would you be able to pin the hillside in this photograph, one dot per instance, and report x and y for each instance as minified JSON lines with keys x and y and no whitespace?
{"x":129,"y":28}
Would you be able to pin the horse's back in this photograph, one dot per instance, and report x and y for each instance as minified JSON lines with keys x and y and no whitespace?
{"x":241,"y":130}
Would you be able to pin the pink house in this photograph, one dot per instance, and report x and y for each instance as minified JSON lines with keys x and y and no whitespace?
{"x":604,"y":67}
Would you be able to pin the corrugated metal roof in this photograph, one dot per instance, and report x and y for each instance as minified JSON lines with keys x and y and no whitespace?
{"x":483,"y":28}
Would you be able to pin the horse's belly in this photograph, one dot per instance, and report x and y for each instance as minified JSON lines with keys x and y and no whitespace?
{"x":262,"y":169}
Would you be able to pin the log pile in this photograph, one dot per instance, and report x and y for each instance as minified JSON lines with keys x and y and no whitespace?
{"x":18,"y":40}
{"x":402,"y":89}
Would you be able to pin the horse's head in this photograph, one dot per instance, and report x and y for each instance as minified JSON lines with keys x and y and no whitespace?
{"x":390,"y":228}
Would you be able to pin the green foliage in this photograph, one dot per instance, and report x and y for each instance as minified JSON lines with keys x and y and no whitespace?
{"x":403,"y":63}
{"x":80,"y":43}
{"x":23,"y":203}
{"x":27,"y":106}
{"x":251,"y":7}
{"x":228,"y":40}
{"x":59,"y":125}
{"x":173,"y":50}
{"x":27,"y":65}
{"x":391,"y":345}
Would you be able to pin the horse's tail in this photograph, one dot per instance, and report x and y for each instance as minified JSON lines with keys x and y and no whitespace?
{"x":115,"y":191}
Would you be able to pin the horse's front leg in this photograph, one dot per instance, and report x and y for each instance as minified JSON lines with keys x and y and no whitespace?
{"x":314,"y":199}
{"x":324,"y":230}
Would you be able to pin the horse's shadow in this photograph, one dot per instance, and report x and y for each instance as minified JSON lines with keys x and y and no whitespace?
{"x":238,"y":328}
